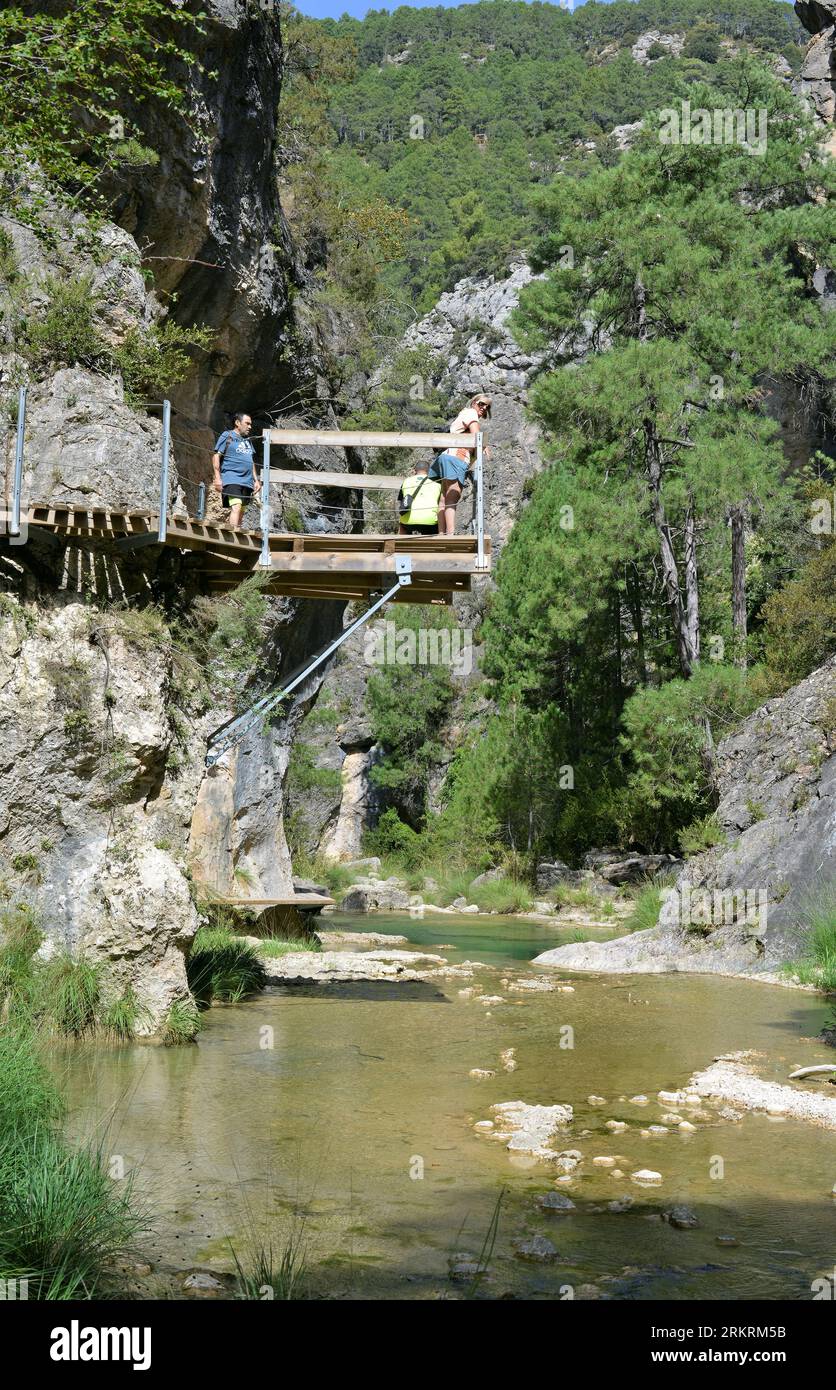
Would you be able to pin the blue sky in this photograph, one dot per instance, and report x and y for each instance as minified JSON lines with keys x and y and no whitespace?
{"x":332,"y":9}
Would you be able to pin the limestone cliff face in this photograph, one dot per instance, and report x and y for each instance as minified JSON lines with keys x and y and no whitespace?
{"x":208,"y":222}
{"x":817,"y":80}
{"x":106,"y":812}
{"x":468,"y":330}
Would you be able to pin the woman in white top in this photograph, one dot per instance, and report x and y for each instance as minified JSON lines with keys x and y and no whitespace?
{"x":451,"y":467}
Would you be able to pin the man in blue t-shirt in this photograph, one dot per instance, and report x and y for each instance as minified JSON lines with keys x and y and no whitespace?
{"x":233,"y":463}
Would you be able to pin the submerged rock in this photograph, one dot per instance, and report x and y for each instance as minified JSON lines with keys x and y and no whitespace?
{"x":536,"y":1248}
{"x":682,"y":1217}
{"x":556,"y":1201}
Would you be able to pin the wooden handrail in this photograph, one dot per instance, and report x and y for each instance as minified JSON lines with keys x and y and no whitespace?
{"x":373,"y":439}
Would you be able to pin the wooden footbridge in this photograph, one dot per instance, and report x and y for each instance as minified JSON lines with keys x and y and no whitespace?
{"x":324,"y":566}
{"x":377,"y":569}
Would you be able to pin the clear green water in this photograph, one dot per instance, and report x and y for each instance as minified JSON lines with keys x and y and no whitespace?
{"x":362,"y":1080}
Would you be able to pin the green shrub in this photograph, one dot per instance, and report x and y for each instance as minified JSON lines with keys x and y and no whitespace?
{"x":701,"y":834}
{"x":563,"y":895}
{"x":24,"y":863}
{"x":392,"y":836}
{"x":152,"y":359}
{"x":303,"y":774}
{"x":501,"y":895}
{"x":232,"y":627}
{"x":818,"y":917}
{"x":77,"y":728}
{"x":264,"y":1269}
{"x":182,"y":1023}
{"x":703,"y":43}
{"x":69,"y":994}
{"x":9,"y":270}
{"x":144,"y":628}
{"x":62,"y":1220}
{"x":20,"y":937}
{"x":800,"y":620}
{"x":274,"y":946}
{"x":29,"y":1101}
{"x":64,"y":333}
{"x":123,"y":1016}
{"x":665,"y":746}
{"x":646,"y":909}
{"x":221,"y":966}
{"x":326,"y":871}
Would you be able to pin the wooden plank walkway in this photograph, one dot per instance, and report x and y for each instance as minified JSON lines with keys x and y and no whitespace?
{"x":301,"y":565}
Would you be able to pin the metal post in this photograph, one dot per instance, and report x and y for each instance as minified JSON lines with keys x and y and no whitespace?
{"x":164,"y":471}
{"x":14,"y":529}
{"x":480,"y":507}
{"x":201,"y":501}
{"x":264,"y":558}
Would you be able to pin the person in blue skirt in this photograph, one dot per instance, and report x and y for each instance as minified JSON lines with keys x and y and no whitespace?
{"x":452,"y":466}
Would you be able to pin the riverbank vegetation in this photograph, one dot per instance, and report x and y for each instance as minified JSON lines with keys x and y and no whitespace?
{"x":818,"y":919}
{"x":63,"y":1219}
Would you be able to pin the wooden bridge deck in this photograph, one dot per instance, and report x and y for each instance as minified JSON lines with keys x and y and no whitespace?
{"x":324,"y":565}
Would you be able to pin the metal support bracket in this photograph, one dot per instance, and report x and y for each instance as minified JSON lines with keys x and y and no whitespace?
{"x":230,"y":733}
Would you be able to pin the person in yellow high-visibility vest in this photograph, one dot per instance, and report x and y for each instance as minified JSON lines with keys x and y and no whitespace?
{"x":418,"y":501}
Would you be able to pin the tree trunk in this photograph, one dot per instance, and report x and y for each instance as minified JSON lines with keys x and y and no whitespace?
{"x":635,"y":601}
{"x":692,"y":598}
{"x":670,"y":572}
{"x":738,"y":565}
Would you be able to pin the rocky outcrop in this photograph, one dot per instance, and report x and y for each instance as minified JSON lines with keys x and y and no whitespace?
{"x":468,"y":329}
{"x":337,"y":967}
{"x":734,"y":1078}
{"x":208,"y":221}
{"x":92,"y":831}
{"x":816,"y":82}
{"x":374,"y":895}
{"x":672,"y":43}
{"x":84,"y":443}
{"x":742,"y":907}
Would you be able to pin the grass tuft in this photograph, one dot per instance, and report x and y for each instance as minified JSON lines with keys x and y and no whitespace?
{"x":818,"y":965}
{"x":222,"y":967}
{"x":275,"y":946}
{"x":182,"y":1023}
{"x":62,"y":1219}
{"x":646,"y":909}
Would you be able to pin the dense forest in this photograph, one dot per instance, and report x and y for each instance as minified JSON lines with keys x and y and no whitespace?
{"x":456,"y":115}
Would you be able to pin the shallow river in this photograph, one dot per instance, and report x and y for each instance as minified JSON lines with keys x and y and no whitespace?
{"x":366,"y":1085}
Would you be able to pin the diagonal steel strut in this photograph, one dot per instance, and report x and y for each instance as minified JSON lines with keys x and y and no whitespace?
{"x":227,"y":735}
